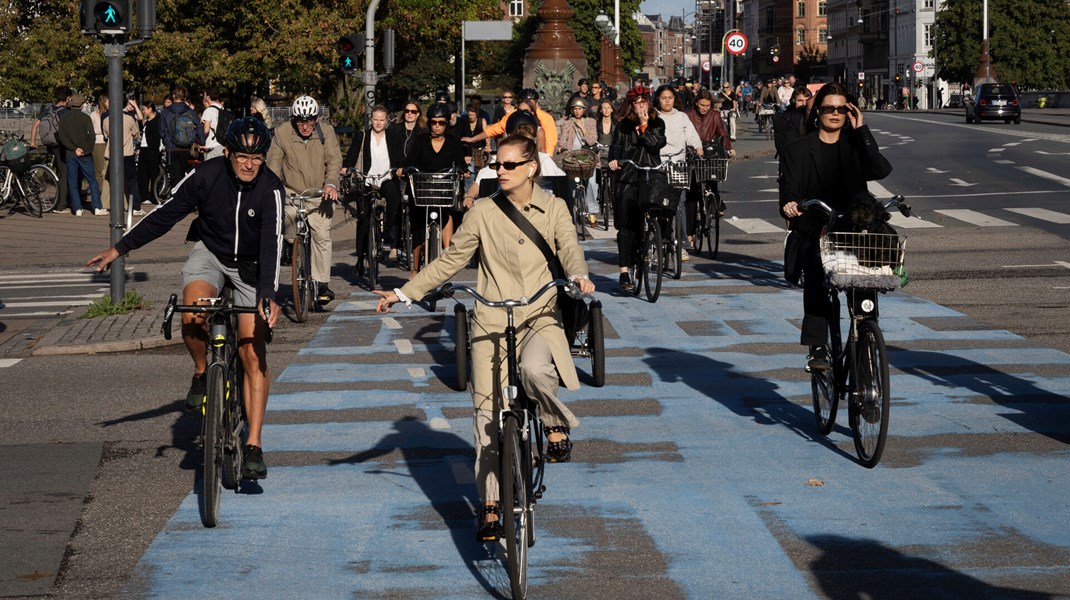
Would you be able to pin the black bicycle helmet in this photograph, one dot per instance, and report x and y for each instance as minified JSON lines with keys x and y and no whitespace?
{"x":438,"y":111}
{"x":248,"y":135}
{"x":528,"y":94}
{"x":520,"y":116}
{"x":442,"y":96}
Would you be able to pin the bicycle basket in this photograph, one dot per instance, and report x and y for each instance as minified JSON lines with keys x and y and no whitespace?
{"x":679,"y":175}
{"x":603,"y":157}
{"x":434,"y":189}
{"x":579,"y":163}
{"x":19,"y":165}
{"x":862,"y":260}
{"x":709,"y":169}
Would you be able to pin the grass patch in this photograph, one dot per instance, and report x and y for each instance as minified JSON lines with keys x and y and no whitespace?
{"x":104,"y":307}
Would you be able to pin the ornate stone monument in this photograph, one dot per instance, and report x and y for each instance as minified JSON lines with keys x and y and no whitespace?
{"x":555,"y":61}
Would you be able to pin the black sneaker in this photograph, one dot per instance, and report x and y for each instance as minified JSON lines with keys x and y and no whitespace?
{"x":195,"y":397}
{"x":626,"y":282}
{"x":489,"y":531}
{"x":287,"y":255}
{"x":253,"y":465}
{"x":325,"y":294}
{"x":817,"y":359}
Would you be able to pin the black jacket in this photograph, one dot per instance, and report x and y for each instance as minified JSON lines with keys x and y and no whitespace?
{"x":787,"y":127}
{"x":402,"y":139}
{"x":362,"y":140}
{"x":802,"y":169}
{"x":237,"y":224}
{"x":642,"y":149}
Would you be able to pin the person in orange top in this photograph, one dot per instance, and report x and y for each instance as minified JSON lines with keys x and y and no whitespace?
{"x":546,"y":124}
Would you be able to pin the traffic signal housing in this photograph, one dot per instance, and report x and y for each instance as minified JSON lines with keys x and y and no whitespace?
{"x":105,"y":17}
{"x":349,"y":50}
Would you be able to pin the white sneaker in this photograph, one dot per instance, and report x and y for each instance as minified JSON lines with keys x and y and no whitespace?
{"x":684,"y":256}
{"x":78,"y":213}
{"x":138,"y":212}
{"x":100,"y":212}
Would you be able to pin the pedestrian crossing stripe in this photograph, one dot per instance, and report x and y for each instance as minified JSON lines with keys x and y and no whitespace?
{"x":974,"y":217}
{"x":970,"y":217}
{"x":8,"y":362}
{"x":1043,"y":214}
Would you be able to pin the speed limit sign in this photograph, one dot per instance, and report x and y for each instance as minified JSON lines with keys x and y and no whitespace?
{"x":736,"y":43}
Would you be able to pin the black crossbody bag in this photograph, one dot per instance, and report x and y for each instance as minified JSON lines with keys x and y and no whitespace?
{"x":574,"y":311}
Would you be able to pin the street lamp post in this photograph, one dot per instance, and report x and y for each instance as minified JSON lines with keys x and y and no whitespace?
{"x":608,"y":30}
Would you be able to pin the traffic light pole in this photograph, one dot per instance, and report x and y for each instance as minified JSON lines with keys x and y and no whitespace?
{"x":370,"y":77}
{"x":116,"y":169}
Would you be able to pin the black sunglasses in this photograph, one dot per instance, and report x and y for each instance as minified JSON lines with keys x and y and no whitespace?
{"x":412,"y":111}
{"x":829,"y":109}
{"x":439,"y":122}
{"x":509,"y":165}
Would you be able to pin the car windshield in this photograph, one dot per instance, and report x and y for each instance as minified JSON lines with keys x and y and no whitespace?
{"x":999,"y":90}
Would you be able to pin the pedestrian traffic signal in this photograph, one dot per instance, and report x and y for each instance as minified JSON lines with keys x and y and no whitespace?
{"x":349,"y":49}
{"x":106,"y":17}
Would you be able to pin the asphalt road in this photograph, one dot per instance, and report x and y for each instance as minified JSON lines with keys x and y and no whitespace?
{"x":697,"y":466}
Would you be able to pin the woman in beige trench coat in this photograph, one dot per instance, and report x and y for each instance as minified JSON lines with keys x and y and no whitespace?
{"x":511,"y":266}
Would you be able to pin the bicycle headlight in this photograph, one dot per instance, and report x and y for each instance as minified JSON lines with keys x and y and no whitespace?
{"x":867,"y":306}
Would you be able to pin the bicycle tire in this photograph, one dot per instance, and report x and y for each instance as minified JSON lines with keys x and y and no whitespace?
{"x":868,"y":412}
{"x":372,"y":257}
{"x":461,"y":338}
{"x":596,"y":339}
{"x":432,"y":247}
{"x":652,"y":259}
{"x":514,"y":511}
{"x":233,"y":423}
{"x":676,"y":246}
{"x":698,"y":239}
{"x":579,"y":215}
{"x":823,"y":388}
{"x":406,"y":238}
{"x":302,"y":285}
{"x":212,"y":438}
{"x":769,"y":128}
{"x":605,"y":202}
{"x":5,"y":190}
{"x":48,"y":182}
{"x":715,"y":230}
{"x":161,"y":186}
{"x":31,"y":202}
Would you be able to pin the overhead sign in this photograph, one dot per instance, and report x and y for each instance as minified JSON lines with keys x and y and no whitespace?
{"x":918,"y":67}
{"x":706,"y":66}
{"x":776,"y":59}
{"x":861,"y":76}
{"x":736,"y":43}
{"x":487,"y":30}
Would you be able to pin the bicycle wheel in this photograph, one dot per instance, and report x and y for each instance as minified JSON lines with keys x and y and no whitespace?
{"x":373,"y":252}
{"x":45,"y":181}
{"x":432,"y":248}
{"x":769,"y":128}
{"x":868,"y":412}
{"x":715,"y":227}
{"x":161,"y":187}
{"x":29,"y":199}
{"x":460,"y":338}
{"x":826,"y":397}
{"x":406,"y":240}
{"x":579,"y":212}
{"x":605,"y":202}
{"x":698,"y":240}
{"x":302,"y":284}
{"x":5,"y":190}
{"x":233,"y":424}
{"x":652,"y":261}
{"x":514,"y":509}
{"x":676,"y":247}
{"x":597,"y":341}
{"x":212,"y":438}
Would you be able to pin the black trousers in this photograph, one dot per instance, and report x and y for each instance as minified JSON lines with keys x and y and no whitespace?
{"x":629,"y":220}
{"x":148,"y":168}
{"x":63,"y":201}
{"x":178,"y":166}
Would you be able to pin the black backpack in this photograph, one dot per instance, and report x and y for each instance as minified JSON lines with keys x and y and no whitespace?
{"x":223,"y":120}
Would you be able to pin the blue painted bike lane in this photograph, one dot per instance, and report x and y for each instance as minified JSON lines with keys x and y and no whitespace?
{"x":698,"y":472}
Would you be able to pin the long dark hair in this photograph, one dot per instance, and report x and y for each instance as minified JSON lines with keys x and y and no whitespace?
{"x":675,"y":97}
{"x":627,"y":111}
{"x":829,"y":89}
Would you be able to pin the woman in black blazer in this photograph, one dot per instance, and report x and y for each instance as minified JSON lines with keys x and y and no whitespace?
{"x":833,"y":162}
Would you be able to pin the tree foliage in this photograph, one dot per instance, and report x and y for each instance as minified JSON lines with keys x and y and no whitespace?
{"x":1029,"y":41}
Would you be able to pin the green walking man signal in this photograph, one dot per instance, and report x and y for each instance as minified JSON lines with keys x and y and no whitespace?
{"x":350,"y":47}
{"x":106,"y":17}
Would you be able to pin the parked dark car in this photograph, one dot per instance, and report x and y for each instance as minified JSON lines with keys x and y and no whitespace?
{"x":994,"y":102}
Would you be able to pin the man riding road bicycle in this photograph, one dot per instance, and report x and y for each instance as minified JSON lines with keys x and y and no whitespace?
{"x":239,"y":233}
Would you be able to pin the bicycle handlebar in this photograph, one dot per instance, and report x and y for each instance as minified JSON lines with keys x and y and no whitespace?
{"x":897,"y":201}
{"x":447,"y":290}
{"x":216,"y":307}
{"x":310,"y":194}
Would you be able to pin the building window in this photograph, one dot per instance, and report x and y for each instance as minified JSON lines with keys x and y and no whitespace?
{"x":928,"y":4}
{"x":823,"y":35}
{"x":769,"y":18}
{"x":800,"y":8}
{"x":516,"y":8}
{"x":800,"y":36}
{"x":928,"y":36}
{"x":822,"y":8}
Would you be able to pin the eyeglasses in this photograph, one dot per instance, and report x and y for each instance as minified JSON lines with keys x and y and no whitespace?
{"x":439,"y":122}
{"x":246,"y":159}
{"x":828,"y":109}
{"x":509,"y":165}
{"x":412,"y":111}
{"x":507,"y":97}
{"x":306,"y":121}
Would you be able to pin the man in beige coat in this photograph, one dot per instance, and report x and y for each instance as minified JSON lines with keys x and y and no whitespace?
{"x":305,"y":155}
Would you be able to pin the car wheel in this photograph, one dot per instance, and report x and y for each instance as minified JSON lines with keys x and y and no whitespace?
{"x":1017,"y":120}
{"x":1006,"y":121}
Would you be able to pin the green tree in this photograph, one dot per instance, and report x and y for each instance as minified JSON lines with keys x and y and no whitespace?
{"x":1029,"y":41}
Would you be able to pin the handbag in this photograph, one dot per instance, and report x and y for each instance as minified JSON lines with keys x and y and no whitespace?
{"x":574,"y":312}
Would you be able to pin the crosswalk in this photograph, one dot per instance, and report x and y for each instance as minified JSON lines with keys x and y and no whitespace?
{"x":948,"y":218}
{"x":26,"y":295}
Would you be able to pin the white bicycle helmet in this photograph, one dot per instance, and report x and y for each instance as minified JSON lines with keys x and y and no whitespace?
{"x":305,"y":107}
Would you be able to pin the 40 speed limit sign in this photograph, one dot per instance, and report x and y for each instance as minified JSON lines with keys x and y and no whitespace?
{"x":736,"y":43}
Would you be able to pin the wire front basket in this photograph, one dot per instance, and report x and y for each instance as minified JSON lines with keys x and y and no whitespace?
{"x":434,"y":189}
{"x":679,"y":175}
{"x":579,"y":163}
{"x":863,"y":260}
{"x":709,"y":169}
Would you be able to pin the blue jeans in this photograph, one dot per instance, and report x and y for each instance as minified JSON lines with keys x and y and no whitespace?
{"x":78,"y":168}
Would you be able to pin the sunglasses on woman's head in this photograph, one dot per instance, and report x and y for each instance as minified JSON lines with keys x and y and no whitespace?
{"x":828,"y":109}
{"x":509,"y":165}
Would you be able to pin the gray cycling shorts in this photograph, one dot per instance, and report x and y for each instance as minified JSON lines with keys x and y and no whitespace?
{"x":202,"y":265}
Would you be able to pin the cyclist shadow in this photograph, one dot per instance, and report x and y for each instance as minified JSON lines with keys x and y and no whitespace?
{"x":739,"y":267}
{"x":1035,"y":408}
{"x":748,"y":396}
{"x":861,"y":568}
{"x":441,"y":463}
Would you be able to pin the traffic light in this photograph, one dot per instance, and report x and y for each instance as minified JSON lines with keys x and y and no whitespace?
{"x":349,"y":49}
{"x":897,"y":77}
{"x":106,"y":17}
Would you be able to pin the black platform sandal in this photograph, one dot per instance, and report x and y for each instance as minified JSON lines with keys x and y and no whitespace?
{"x":559,"y":451}
{"x":489,"y":531}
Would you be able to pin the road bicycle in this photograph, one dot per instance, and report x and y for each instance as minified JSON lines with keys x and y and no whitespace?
{"x":707,"y":174}
{"x":369,"y":216}
{"x":765,"y":119}
{"x":521,"y":459}
{"x":605,"y":186}
{"x":223,"y":425}
{"x":435,"y":193}
{"x":660,"y":248}
{"x":589,"y":343}
{"x":305,"y":288}
{"x":579,"y":165}
{"x":860,"y":265}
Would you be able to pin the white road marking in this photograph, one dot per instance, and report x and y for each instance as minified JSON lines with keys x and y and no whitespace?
{"x":416,"y":372}
{"x":1058,"y":263}
{"x":23,"y":315}
{"x":33,"y":304}
{"x":1052,"y":153}
{"x":439,"y":423}
{"x":53,"y":277}
{"x":1003,"y":161}
{"x":991,"y":150}
{"x":1046,"y":175}
{"x":898,"y":220}
{"x":879,"y":190}
{"x":936,"y":171}
{"x":1012,"y":144}
{"x":975,"y":218}
{"x":763,"y":176}
{"x":754,"y":225}
{"x":391,"y":323}
{"x":1043,"y":214}
{"x":1031,"y":135}
{"x":961,"y":183}
{"x":404,"y":346}
{"x":8,"y":362}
